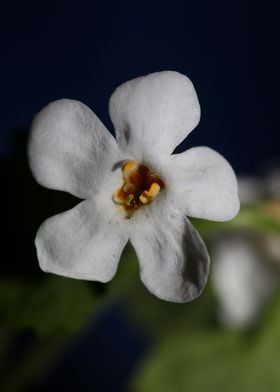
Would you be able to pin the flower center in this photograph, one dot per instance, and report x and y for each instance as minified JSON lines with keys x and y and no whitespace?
{"x":140,"y":187}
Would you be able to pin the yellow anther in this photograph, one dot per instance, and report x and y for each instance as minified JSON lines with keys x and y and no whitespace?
{"x":129,"y":166}
{"x":154,"y":190}
{"x":129,"y":199}
{"x":144,"y":197}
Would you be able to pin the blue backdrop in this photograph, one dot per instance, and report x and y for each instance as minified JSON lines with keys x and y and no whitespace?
{"x":83,"y":50}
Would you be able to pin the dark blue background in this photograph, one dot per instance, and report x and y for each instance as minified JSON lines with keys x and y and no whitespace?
{"x":84,"y":49}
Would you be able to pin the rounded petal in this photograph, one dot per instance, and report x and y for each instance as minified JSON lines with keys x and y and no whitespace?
{"x":69,"y":148}
{"x":154,"y":113}
{"x":174,"y":262}
{"x":205,"y":184}
{"x":82,"y":243}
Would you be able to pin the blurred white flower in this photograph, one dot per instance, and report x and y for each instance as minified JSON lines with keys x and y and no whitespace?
{"x":246,"y":264}
{"x":134,"y":188}
{"x":253,"y":189}
{"x":250,"y":189}
{"x":272,"y":182}
{"x":272,"y":241}
{"x":243,"y":281}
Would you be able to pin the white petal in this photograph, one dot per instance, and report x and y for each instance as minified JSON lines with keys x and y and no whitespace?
{"x":83,"y":243}
{"x":155,"y":112}
{"x":205,"y":184}
{"x":174,"y":262}
{"x":243,"y":282}
{"x":69,"y":148}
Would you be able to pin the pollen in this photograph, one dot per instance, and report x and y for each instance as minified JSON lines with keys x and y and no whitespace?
{"x":140,"y":187}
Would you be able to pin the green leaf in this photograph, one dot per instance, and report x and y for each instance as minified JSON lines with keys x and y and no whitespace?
{"x":252,"y":217}
{"x":215,"y":360}
{"x":53,"y":305}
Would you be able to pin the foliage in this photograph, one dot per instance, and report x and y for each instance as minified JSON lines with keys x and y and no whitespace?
{"x":215,"y":360}
{"x":49,"y":306}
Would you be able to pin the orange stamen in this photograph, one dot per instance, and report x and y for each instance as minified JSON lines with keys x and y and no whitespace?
{"x":141,"y":186}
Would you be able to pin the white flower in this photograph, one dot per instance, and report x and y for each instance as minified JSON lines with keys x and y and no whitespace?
{"x":134,"y":188}
{"x":250,"y":189}
{"x":243,"y":280}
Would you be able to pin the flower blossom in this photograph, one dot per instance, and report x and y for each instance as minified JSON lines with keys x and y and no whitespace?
{"x":133,"y":188}
{"x":246,"y":267}
{"x":244,"y":279}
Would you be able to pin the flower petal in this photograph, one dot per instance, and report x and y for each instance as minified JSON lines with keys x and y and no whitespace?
{"x":174,"y":262}
{"x":70,"y":148}
{"x":82,"y":243}
{"x":155,"y":112}
{"x":205,"y":184}
{"x":242,"y":281}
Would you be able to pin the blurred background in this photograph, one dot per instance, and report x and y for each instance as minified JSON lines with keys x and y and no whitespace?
{"x":58,"y":333}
